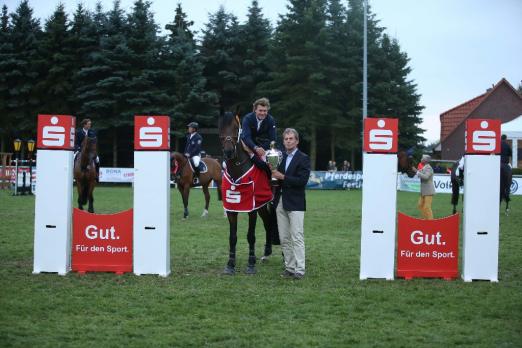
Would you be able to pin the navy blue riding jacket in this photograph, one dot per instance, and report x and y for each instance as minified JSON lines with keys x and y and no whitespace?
{"x":193,"y":145}
{"x":80,"y":135}
{"x":253,"y":137}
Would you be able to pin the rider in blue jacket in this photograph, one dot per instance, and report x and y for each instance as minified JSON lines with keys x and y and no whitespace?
{"x":259,"y":128}
{"x":81,"y":133}
{"x":193,"y":146}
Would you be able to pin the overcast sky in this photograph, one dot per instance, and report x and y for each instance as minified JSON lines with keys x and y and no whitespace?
{"x":458,"y":48}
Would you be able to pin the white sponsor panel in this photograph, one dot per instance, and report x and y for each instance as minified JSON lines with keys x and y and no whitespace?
{"x":117,"y":175}
{"x":379,"y":209}
{"x":442,"y":183}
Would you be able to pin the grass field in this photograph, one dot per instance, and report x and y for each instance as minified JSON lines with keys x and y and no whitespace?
{"x":196,"y":306}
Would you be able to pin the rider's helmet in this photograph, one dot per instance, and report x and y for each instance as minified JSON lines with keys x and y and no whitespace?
{"x":194,"y":125}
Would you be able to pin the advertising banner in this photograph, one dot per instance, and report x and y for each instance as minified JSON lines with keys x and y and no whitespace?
{"x":118,"y":175}
{"x":102,"y":242}
{"x":381,"y":135}
{"x":428,"y":248}
{"x":334,"y":180}
{"x":442,"y":183}
{"x":152,"y":133}
{"x":482,"y":136}
{"x":56,"y":132}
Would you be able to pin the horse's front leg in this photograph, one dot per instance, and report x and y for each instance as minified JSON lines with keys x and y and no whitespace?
{"x":230,"y":268}
{"x":91,"y":199}
{"x":185,"y":191}
{"x":79,"y":189}
{"x":251,"y":237}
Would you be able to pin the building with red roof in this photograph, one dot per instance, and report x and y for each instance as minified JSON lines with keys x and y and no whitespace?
{"x":501,"y":101}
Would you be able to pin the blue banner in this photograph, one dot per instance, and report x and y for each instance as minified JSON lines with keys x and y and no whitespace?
{"x":334,"y":180}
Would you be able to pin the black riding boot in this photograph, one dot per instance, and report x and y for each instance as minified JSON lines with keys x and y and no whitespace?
{"x":196,"y":176}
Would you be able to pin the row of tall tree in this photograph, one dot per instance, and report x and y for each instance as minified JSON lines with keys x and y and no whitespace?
{"x":109,"y":65}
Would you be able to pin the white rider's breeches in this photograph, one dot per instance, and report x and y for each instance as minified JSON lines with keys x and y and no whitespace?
{"x":196,"y":160}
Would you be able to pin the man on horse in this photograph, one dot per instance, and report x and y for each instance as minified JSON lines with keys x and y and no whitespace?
{"x":193,"y":147}
{"x":86,"y":131}
{"x":259,"y":128}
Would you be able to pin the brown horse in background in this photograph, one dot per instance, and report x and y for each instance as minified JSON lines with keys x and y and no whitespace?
{"x":405,"y":163}
{"x":185,"y":180}
{"x":85,"y":172}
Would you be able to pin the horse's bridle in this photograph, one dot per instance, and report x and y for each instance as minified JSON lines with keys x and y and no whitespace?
{"x":232,"y":139}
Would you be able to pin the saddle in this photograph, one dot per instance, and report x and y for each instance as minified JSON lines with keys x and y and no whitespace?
{"x":202,"y":167}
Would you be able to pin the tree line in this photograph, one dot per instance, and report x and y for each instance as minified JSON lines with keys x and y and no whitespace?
{"x":109,"y":65}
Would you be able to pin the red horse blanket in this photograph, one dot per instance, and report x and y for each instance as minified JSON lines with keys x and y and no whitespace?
{"x":249,"y":192}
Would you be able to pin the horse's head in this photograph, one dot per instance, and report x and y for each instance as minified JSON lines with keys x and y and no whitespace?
{"x":90,"y":147}
{"x":405,"y":163}
{"x":229,"y":132}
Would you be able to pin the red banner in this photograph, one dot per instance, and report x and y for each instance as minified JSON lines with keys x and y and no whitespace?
{"x":380,"y":135}
{"x":56,"y":132}
{"x":482,"y":136}
{"x":428,"y":248}
{"x":102,"y":242}
{"x":152,"y":133}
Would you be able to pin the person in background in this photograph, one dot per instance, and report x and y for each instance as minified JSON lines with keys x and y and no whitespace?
{"x":346,"y":166}
{"x":290,"y":201}
{"x":86,"y":131}
{"x":427,"y":188}
{"x":505,"y":150}
{"x":193,"y":147}
{"x":332,"y":166}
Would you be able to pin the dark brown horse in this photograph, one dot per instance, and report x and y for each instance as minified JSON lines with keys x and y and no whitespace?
{"x":238,"y":162}
{"x":85,"y":172}
{"x":185,"y":179}
{"x":405,"y":162}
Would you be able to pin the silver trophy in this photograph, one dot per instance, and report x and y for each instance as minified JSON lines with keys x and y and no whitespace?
{"x":274,"y":157}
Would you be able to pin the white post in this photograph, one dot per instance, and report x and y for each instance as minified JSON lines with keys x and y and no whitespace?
{"x":379,"y":201}
{"x":481,"y":201}
{"x":53,"y":202}
{"x":379,"y":211}
{"x":151,"y":195}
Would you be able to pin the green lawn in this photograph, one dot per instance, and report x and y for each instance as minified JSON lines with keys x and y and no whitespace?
{"x":196,"y":306}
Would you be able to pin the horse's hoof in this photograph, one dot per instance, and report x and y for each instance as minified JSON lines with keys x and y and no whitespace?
{"x":229,"y":270}
{"x":251,"y":270}
{"x":205,"y":214}
{"x":264,"y":258}
{"x":91,"y":211}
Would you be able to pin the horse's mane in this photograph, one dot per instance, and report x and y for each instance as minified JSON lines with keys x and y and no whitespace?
{"x":178,"y":157}
{"x":89,"y":144}
{"x":226,"y":118}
